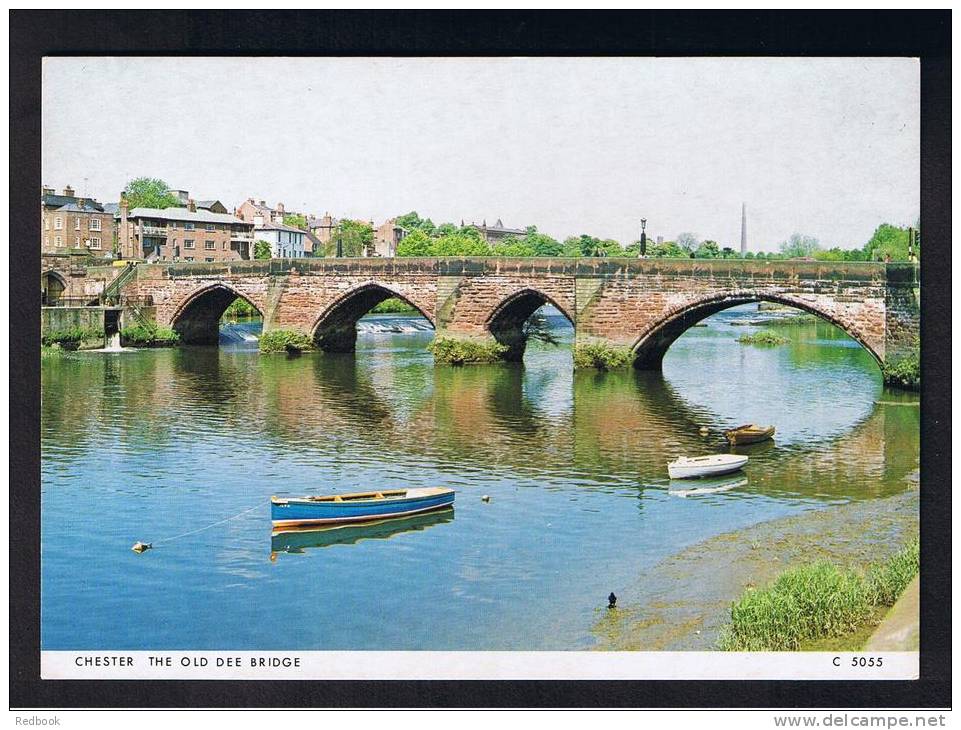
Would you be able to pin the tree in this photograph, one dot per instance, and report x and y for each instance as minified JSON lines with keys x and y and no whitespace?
{"x":687,"y":242}
{"x":542,"y":244}
{"x":888,"y":240}
{"x":415,"y":243}
{"x":707,"y":250}
{"x":513,"y":246}
{"x":296,"y":220}
{"x":149,"y":192}
{"x":354,"y":237}
{"x":460,"y":244}
{"x":262,"y":249}
{"x":413,"y":222}
{"x":799,"y":246}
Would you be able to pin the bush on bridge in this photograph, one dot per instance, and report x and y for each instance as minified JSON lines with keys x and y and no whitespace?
{"x":451,"y":351}
{"x":148,"y":335}
{"x":285,"y":341}
{"x":598,"y":356}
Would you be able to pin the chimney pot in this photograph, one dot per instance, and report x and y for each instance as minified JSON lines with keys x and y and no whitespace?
{"x":68,"y":191}
{"x":191,"y":205}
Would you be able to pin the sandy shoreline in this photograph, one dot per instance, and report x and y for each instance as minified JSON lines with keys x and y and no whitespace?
{"x":696,"y":586}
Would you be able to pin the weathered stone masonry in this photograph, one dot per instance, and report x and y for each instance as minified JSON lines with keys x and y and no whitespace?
{"x":641,"y":305}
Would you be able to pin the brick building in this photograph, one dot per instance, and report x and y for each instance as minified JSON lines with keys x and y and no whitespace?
{"x":259,"y":213}
{"x":497,"y":232}
{"x":183,"y":234}
{"x":286,"y":242}
{"x":386,"y":238}
{"x":70,"y":222}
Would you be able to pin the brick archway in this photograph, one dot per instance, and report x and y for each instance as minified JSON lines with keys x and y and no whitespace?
{"x":197,"y":318}
{"x":651,"y":345}
{"x":335,"y":330}
{"x":507,"y":319}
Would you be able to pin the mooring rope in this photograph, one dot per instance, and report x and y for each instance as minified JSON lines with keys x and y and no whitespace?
{"x":140,"y":547}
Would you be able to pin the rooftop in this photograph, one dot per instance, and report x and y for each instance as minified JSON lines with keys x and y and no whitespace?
{"x":183,"y":214}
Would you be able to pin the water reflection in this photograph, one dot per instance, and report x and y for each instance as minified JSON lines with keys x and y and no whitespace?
{"x":299,"y":540}
{"x":575,"y":464}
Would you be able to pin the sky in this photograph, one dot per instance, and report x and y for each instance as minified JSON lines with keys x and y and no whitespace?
{"x":824,"y":147}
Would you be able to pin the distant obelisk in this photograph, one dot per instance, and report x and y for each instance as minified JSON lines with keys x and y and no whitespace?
{"x":743,"y":229}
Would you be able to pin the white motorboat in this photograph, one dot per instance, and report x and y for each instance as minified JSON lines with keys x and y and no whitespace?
{"x":705,"y":466}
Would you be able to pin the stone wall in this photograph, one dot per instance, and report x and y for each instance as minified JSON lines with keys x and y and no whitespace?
{"x":636,"y":305}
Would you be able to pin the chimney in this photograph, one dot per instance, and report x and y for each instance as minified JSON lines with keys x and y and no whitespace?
{"x":191,"y":205}
{"x":743,"y":228}
{"x":80,"y":202}
{"x":68,"y":191}
{"x":124,"y":229}
{"x":46,"y":191}
{"x":263,"y":203}
{"x":280,"y":207}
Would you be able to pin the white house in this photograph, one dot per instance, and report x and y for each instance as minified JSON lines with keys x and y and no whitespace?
{"x":286,"y":242}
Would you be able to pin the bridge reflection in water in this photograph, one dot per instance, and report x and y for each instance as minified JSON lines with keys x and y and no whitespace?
{"x":575,"y":464}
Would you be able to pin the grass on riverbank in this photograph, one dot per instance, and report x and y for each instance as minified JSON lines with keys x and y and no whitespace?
{"x":764,"y":337}
{"x":814,"y":603}
{"x":904,"y":372}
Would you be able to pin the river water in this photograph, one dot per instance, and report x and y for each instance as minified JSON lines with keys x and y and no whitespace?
{"x":149,"y":445}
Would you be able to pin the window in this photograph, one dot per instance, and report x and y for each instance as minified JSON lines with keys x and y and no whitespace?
{"x":189,"y":243}
{"x":208,"y":260}
{"x":57,"y":241}
{"x":95,"y":224}
{"x":76,"y":240}
{"x":95,"y":243}
{"x":188,"y":226}
{"x":209,"y":245}
{"x":209,"y":226}
{"x":76,"y":223}
{"x":188,"y":258}
{"x":58,"y":223}
{"x":226,"y":244}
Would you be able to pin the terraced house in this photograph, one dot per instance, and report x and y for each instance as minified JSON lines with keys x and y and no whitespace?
{"x":70,"y":222}
{"x":183,"y":234}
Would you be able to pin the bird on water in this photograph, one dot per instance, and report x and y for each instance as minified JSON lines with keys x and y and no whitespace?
{"x":611,"y":600}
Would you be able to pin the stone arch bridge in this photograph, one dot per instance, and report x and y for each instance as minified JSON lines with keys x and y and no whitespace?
{"x":635,"y":305}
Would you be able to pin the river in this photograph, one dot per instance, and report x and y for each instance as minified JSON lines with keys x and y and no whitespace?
{"x":149,"y":445}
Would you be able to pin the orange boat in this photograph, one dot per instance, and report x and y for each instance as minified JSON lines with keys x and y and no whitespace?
{"x":749,"y":433}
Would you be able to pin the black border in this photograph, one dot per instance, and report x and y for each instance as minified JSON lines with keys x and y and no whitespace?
{"x":924,"y":34}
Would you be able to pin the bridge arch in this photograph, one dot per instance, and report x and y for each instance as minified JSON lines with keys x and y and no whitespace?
{"x":652,"y":344}
{"x":52,"y":286}
{"x":506,"y":321}
{"x":335,"y":330}
{"x":197,"y":319}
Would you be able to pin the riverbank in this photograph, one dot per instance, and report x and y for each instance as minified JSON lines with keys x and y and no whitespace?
{"x":697,"y":586}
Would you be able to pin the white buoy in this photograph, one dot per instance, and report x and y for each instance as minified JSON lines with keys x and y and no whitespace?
{"x":486,"y":498}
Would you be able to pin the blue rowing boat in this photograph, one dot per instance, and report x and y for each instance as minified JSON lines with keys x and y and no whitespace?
{"x":358,"y":506}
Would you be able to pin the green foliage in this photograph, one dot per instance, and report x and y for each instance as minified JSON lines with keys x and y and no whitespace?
{"x":412,"y":222}
{"x":512,"y":246}
{"x":262,"y":249}
{"x":71,"y":337}
{"x":393,"y":306}
{"x":904,"y":372}
{"x":296,"y":220}
{"x":799,"y":246}
{"x":451,"y":351}
{"x":600,"y":356}
{"x":707,"y":250}
{"x":888,"y":580}
{"x":763,"y":337}
{"x":355,"y":237}
{"x":240,"y":307}
{"x":887,"y":241}
{"x":417,"y":243}
{"x":815,"y":601}
{"x":285,"y":341}
{"x":459,"y":244}
{"x":584,"y":245}
{"x":149,"y":192}
{"x":148,"y":335}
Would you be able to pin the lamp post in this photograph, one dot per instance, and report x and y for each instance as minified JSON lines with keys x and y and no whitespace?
{"x":643,"y":238}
